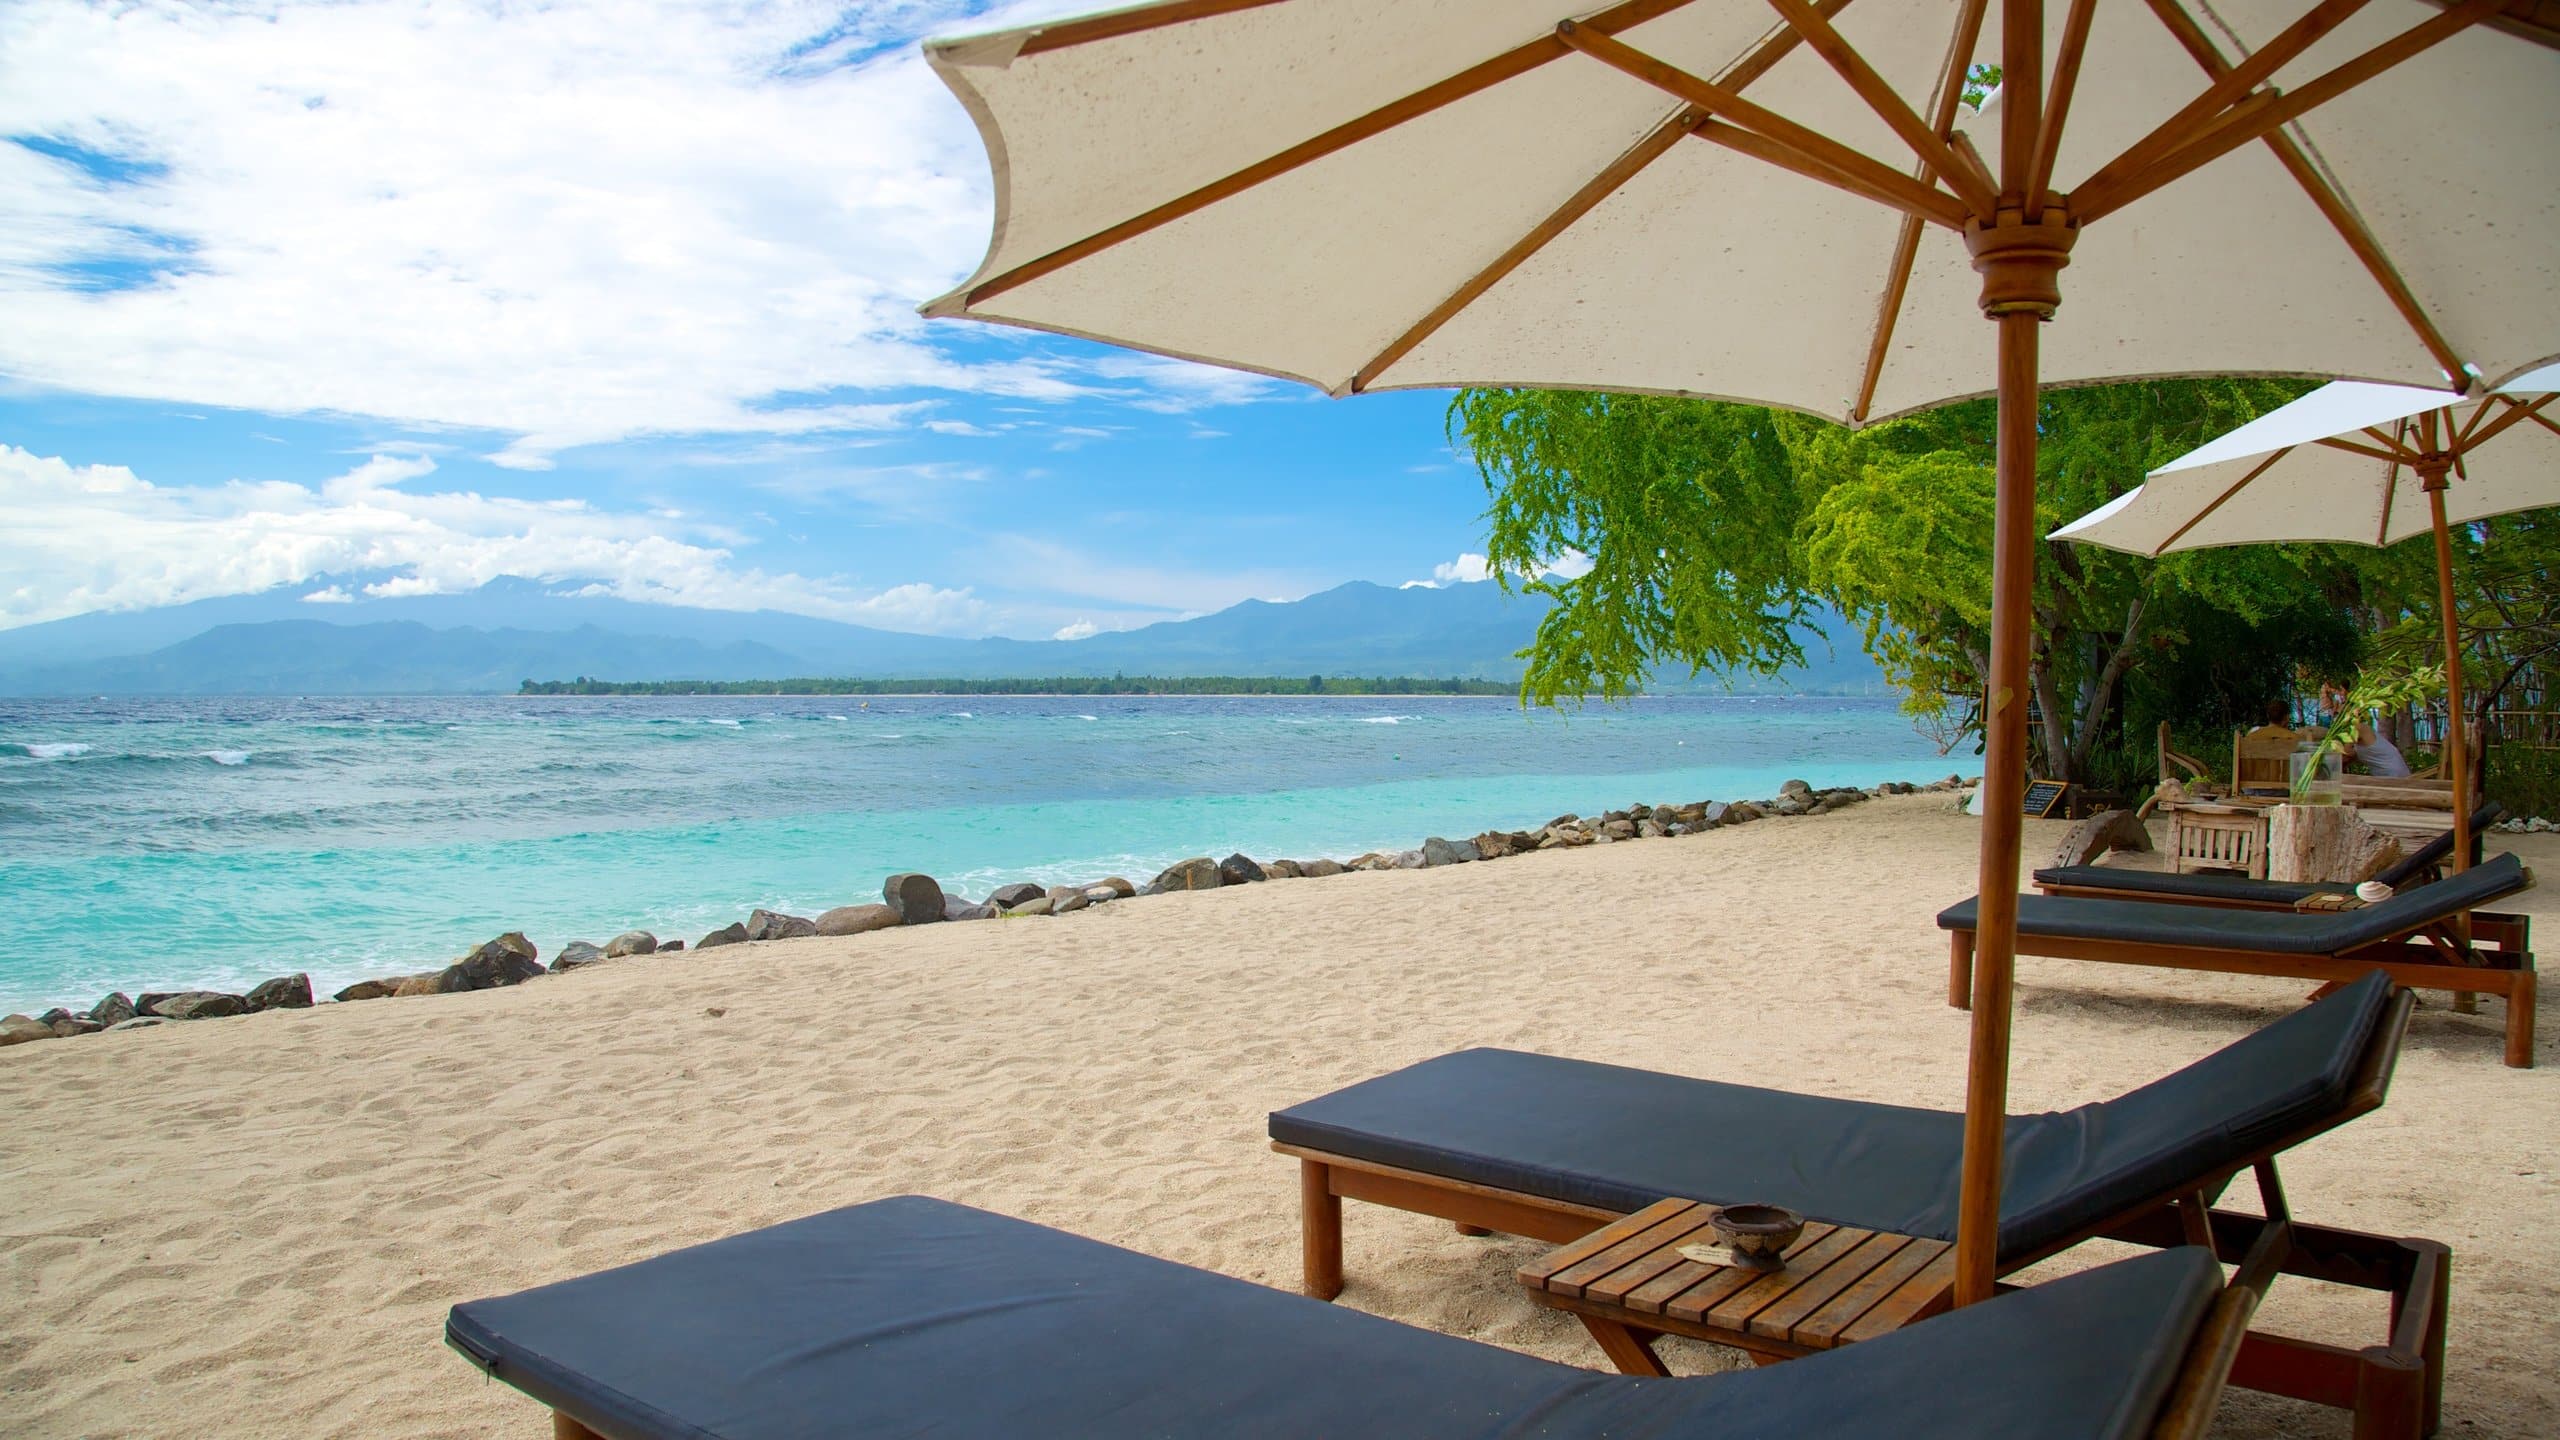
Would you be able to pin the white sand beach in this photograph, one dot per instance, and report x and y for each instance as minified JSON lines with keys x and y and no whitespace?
{"x":254,"y":1226}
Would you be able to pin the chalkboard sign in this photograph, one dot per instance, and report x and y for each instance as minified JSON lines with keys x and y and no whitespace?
{"x":2044,"y":797}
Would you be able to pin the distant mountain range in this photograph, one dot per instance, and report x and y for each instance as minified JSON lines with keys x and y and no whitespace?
{"x":489,"y":639}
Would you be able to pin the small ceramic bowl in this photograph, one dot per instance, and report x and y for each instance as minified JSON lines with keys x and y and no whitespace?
{"x":1758,"y":1235}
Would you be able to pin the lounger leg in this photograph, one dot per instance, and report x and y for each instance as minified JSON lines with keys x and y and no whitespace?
{"x":2439,"y":1298}
{"x":564,"y":1428}
{"x":1466,"y":1229}
{"x":2390,"y":1396}
{"x":1960,"y":969}
{"x":1320,"y":1211}
{"x":1627,"y":1350}
{"x":2520,"y":1021}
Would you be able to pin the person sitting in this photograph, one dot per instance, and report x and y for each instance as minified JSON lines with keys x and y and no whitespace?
{"x":2372,"y":751}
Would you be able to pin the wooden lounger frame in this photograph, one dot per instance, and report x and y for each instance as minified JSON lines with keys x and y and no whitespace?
{"x":2491,"y":959}
{"x":2395,"y":1388}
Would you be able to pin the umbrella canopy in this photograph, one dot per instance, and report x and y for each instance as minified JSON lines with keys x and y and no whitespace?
{"x":1365,"y":195}
{"x":1370,"y":196}
{"x":2363,"y":465}
{"x":2280,"y":478}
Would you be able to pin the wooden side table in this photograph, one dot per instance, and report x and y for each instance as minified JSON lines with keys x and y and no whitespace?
{"x":1629,"y":1282}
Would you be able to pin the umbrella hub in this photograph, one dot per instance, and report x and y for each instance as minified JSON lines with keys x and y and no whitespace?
{"x":2021,"y":260}
{"x":2433,"y":466}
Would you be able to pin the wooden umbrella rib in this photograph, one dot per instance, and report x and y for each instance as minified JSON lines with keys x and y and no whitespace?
{"x":2191,"y":118}
{"x":1906,"y":243}
{"x":2516,"y":413}
{"x":2207,"y":512}
{"x":2336,"y":443}
{"x":2234,"y":129}
{"x":2057,"y":105}
{"x":1651,"y":148}
{"x":2331,"y":205}
{"x":1925,"y":141}
{"x":1749,"y":68}
{"x":1911,"y":199}
{"x":1484,"y":75}
{"x":1875,"y":177}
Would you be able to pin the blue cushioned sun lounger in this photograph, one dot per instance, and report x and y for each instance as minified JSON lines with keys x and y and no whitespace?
{"x":1552,"y":1148}
{"x":2416,"y":937}
{"x":914,"y":1317}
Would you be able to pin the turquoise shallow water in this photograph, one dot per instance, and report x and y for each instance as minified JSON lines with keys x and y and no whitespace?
{"x":165,"y":843}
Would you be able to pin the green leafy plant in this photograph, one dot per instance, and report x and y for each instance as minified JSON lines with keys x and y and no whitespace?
{"x":2381,"y":687}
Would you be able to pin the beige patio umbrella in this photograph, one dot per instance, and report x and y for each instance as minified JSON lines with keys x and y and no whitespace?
{"x":2356,"y":464}
{"x":1783,"y":203}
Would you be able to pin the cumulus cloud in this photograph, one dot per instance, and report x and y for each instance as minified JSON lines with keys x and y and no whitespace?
{"x":565,"y":223}
{"x":99,"y":537}
{"x":1081,"y":630}
{"x":1470,"y":567}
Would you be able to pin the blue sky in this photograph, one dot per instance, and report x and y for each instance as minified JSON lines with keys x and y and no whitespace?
{"x":614,"y":293}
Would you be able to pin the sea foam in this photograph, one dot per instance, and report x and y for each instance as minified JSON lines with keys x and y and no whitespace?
{"x":56,"y":750}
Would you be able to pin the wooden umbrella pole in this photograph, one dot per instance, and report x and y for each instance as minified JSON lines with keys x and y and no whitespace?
{"x":2457,"y":754}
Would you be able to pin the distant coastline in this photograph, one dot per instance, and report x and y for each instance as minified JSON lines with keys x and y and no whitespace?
{"x":1405,"y":686}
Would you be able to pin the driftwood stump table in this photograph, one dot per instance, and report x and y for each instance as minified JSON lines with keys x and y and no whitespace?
{"x":1631,"y":1281}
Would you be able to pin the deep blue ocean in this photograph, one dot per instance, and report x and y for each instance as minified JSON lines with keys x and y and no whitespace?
{"x":170,"y":843}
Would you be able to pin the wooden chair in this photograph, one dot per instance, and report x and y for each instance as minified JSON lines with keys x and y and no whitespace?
{"x":2262,"y":759}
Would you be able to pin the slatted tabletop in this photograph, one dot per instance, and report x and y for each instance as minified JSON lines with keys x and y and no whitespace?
{"x":1838,"y":1285}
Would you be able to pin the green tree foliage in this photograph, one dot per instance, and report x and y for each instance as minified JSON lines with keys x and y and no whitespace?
{"x":1713,"y":529}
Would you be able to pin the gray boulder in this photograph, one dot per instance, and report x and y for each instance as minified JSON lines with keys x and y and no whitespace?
{"x":1036,"y":905}
{"x":1437,"y":851}
{"x":630,"y":942}
{"x":285,"y":992}
{"x":1493,"y":845}
{"x":1197,"y":873}
{"x":19,"y":1029}
{"x":148,"y":1002}
{"x":1319,"y":869}
{"x":955,"y":908}
{"x":369,"y":990}
{"x":1619,"y":829}
{"x":733,"y":933}
{"x":1797,"y":788}
{"x":508,"y":960}
{"x":1118,"y":885}
{"x":201,"y":1005}
{"x":435,"y":982}
{"x":575,"y":954}
{"x":1240,"y":869}
{"x":114,"y":1010}
{"x":1067,"y":902}
{"x":856,"y":919}
{"x":1007,"y":897}
{"x":1405,"y":860}
{"x":1100,"y":894}
{"x":916,"y":898}
{"x":1284,"y":870}
{"x":70,"y":1025}
{"x":1714,"y":813}
{"x":1741,"y":812}
{"x":774,"y":925}
{"x":668,"y":947}
{"x":1649,"y":828}
{"x":138,"y":1022}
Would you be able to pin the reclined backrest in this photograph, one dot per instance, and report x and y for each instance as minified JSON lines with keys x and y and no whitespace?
{"x":2434,"y":851}
{"x":2070,"y":1170}
{"x":2467,"y":890}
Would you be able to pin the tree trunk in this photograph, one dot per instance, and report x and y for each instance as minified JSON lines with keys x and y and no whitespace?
{"x":2325,"y":845}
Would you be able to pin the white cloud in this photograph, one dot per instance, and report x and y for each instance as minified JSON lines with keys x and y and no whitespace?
{"x":331,"y":595}
{"x":565,"y":223}
{"x":1470,"y":567}
{"x":98,"y":537}
{"x":1081,"y":630}
{"x":1465,"y":570}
